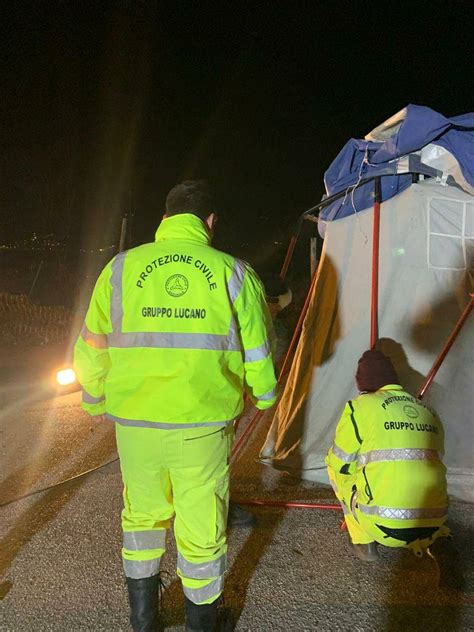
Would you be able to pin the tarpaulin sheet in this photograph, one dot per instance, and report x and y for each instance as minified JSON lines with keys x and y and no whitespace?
{"x":360,"y":159}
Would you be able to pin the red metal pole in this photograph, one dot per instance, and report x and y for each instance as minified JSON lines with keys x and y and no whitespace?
{"x":245,"y":433}
{"x":444,"y":352}
{"x":291,"y":248}
{"x":298,"y":327}
{"x":288,"y":504}
{"x":374,"y":324}
{"x":288,"y":257}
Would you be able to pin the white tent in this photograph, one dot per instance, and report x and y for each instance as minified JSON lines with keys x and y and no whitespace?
{"x":426,"y":253}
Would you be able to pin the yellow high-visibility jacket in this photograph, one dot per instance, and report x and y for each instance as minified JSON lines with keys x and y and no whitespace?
{"x":174,"y":334}
{"x":389,"y":445}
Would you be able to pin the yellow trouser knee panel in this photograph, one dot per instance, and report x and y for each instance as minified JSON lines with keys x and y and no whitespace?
{"x":185,"y":472}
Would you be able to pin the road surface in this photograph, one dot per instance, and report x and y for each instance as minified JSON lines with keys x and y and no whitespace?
{"x":60,"y":566}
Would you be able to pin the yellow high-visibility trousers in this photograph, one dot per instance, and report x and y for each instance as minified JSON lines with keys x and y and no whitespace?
{"x":363,"y":530}
{"x":185,"y":474}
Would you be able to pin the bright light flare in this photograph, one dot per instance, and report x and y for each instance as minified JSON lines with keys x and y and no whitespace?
{"x":65,"y":377}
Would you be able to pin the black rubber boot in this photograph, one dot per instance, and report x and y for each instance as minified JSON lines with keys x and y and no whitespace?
{"x":143,"y":595}
{"x":239,"y":517}
{"x":201,"y":618}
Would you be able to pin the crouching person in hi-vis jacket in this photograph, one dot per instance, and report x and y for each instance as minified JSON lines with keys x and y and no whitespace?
{"x":176,"y":331}
{"x":385,"y":464}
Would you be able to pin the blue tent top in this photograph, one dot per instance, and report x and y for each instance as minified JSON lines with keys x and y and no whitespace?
{"x":393,"y":150}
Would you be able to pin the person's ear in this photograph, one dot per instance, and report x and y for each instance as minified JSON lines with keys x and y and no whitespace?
{"x":211,"y":222}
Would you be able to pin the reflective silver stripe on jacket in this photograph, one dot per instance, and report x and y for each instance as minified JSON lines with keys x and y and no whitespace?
{"x":202,"y":570}
{"x":395,"y":513}
{"x":142,"y":423}
{"x":89,"y":399}
{"x":266,"y":396}
{"x":259,"y":353}
{"x":98,"y":341}
{"x":168,"y":340}
{"x":144,"y":540}
{"x":398,"y":454}
{"x":116,"y":305}
{"x":199,"y":595}
{"x":236,"y":280}
{"x":344,"y":456}
{"x":139,"y":569}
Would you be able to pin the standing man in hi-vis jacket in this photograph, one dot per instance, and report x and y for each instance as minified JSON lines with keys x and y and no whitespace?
{"x":175,"y":333}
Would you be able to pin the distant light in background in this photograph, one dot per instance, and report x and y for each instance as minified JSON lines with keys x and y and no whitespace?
{"x":398,"y":252}
{"x":65,"y":377}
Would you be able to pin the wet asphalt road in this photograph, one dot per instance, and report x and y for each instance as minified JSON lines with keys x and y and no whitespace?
{"x":60,"y":567}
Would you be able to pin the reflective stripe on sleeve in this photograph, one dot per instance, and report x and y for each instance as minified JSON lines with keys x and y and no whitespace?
{"x":236,"y":280}
{"x":344,"y":456}
{"x":395,"y":513}
{"x":169,"y":340}
{"x":199,"y":595}
{"x":116,"y":306}
{"x":139,"y":569}
{"x":398,"y":454}
{"x":144,"y":540}
{"x":266,"y":396}
{"x":98,"y":341}
{"x":202,"y":570}
{"x":89,"y":399}
{"x":259,"y":353}
{"x":142,"y":423}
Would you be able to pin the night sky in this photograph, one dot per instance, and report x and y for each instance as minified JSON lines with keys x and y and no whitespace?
{"x":105,"y":106}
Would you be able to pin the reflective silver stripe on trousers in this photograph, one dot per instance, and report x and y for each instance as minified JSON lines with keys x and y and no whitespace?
{"x":139,"y":569}
{"x":98,"y":341}
{"x":198,"y":595}
{"x":144,"y":540}
{"x":398,"y":454}
{"x":259,"y":353}
{"x":169,"y":340}
{"x":395,"y":513}
{"x":344,"y":456}
{"x":142,"y":423}
{"x":202,"y":570}
{"x":266,"y":396}
{"x":116,"y":307}
{"x":89,"y":399}
{"x":236,"y":280}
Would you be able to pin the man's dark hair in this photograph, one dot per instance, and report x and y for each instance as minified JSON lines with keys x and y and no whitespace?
{"x":191,"y":196}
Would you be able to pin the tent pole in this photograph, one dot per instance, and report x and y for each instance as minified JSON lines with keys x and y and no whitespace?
{"x":374,"y":325}
{"x":288,"y":504}
{"x":291,"y":248}
{"x":298,"y":327}
{"x":444,"y":352}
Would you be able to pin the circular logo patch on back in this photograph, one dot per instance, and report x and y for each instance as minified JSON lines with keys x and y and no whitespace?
{"x":177,"y":285}
{"x":410,"y":411}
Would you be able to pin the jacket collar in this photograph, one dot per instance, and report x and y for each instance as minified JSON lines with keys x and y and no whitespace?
{"x":183,"y":226}
{"x":387,"y":387}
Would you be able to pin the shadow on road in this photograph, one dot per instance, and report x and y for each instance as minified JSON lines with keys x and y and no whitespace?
{"x":430,"y":593}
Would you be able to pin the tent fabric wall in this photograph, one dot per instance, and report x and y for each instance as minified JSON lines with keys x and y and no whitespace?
{"x":426,"y":249}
